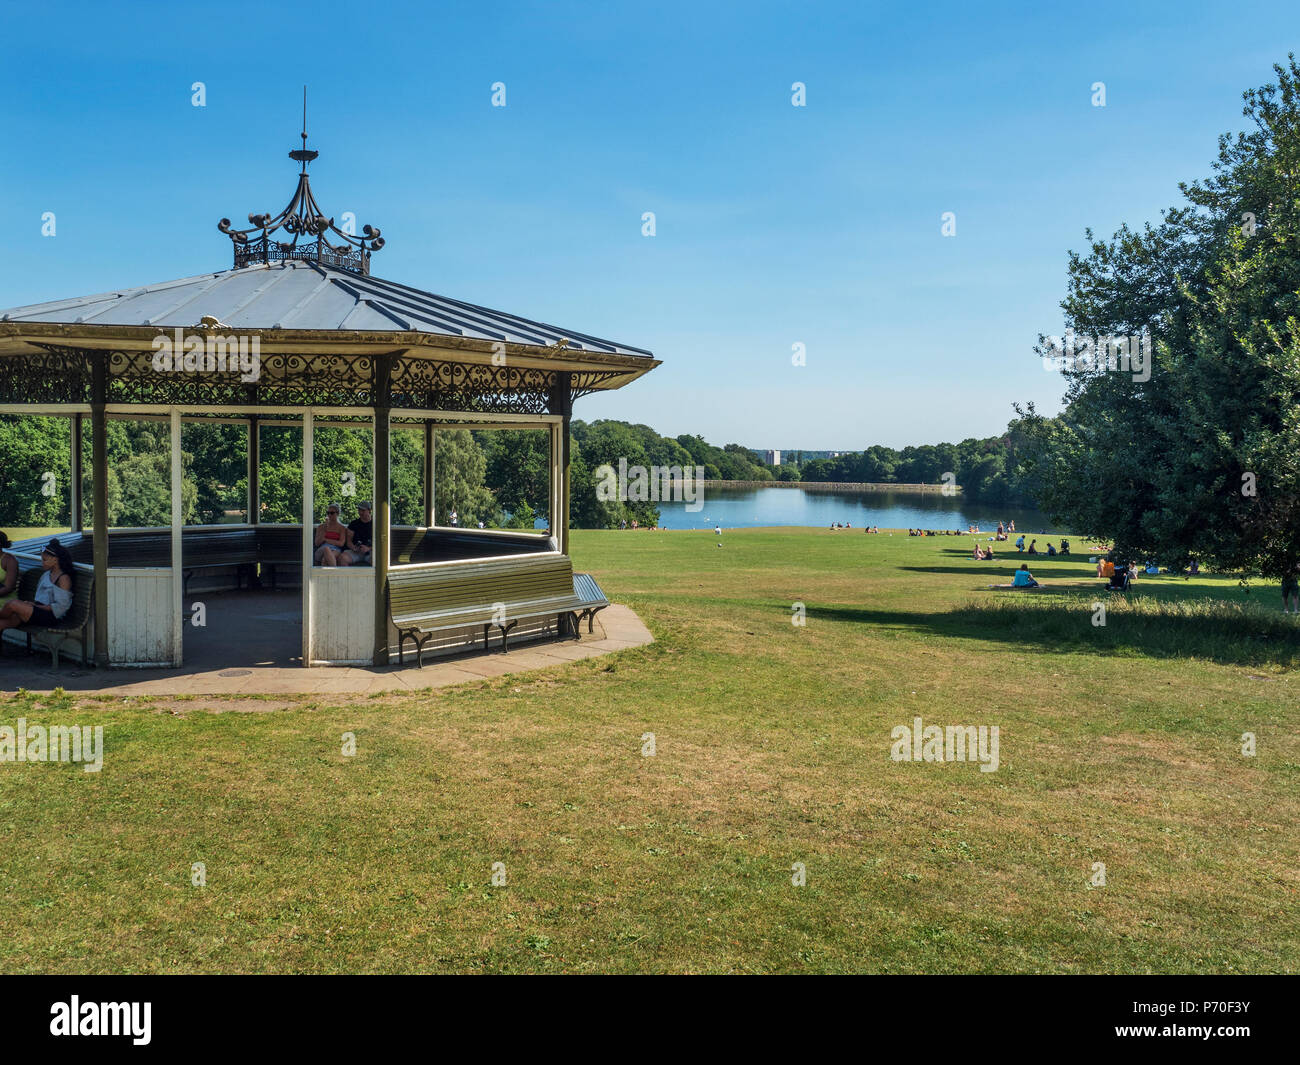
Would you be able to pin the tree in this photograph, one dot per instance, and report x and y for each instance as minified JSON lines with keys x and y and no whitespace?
{"x":1201,"y":456}
{"x":459,"y":466}
{"x":35,"y":471}
{"x":517,"y":467}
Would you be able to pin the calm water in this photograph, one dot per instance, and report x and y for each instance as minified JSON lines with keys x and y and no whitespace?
{"x":741,"y":508}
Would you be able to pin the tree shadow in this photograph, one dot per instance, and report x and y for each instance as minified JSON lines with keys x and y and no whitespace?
{"x":1000,"y":570}
{"x":1221,"y":632}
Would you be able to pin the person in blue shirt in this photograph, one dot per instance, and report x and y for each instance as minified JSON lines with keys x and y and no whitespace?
{"x":1024,"y":579}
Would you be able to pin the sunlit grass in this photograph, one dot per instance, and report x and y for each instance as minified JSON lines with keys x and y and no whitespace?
{"x":1120,"y":745}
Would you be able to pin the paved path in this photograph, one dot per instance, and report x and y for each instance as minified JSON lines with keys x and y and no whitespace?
{"x":617,"y":628}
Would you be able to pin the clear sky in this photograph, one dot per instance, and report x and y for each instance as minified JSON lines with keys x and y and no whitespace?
{"x":775,"y":224}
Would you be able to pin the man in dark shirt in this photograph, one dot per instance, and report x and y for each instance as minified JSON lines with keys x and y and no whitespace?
{"x":362,"y":532}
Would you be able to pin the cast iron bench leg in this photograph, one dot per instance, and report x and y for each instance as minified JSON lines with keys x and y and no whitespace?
{"x":419,"y":660}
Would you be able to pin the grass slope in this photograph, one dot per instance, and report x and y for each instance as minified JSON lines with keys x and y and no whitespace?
{"x":1119,"y":744}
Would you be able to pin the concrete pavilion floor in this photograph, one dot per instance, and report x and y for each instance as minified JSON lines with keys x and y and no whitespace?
{"x":252,"y":644}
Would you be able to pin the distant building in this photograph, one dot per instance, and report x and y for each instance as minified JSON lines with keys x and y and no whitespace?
{"x":795,"y":455}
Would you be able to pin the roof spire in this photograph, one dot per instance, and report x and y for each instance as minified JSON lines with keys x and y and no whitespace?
{"x":302,"y":154}
{"x":302,"y":218}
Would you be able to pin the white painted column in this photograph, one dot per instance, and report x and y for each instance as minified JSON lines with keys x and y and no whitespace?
{"x":555,"y":483}
{"x":178,"y":573}
{"x":308,"y":528}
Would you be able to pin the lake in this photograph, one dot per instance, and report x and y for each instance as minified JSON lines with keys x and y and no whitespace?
{"x":746,"y":508}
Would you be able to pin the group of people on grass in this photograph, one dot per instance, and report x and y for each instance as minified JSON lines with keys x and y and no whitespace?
{"x":1052,"y":549}
{"x":53,"y":596}
{"x":1119,"y":576}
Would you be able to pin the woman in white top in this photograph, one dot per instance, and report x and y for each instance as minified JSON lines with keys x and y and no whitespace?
{"x":53,"y":593}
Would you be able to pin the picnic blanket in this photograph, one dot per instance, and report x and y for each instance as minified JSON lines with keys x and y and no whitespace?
{"x":1041,"y":587}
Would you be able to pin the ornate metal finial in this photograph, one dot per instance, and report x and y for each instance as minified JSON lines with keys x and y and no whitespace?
{"x":302,"y":154}
{"x":302,"y":218}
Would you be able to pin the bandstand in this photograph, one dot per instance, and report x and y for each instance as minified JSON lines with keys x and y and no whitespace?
{"x":300,"y":333}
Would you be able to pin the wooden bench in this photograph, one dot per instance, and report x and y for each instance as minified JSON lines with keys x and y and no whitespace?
{"x":592,"y":601}
{"x":76,"y":622}
{"x":208,"y":549}
{"x":278,"y":545}
{"x":410,"y":544}
{"x":202,"y":548}
{"x":424,"y":600}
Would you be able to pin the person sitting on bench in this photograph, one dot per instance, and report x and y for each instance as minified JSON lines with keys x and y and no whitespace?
{"x":331,"y":540}
{"x":8,"y":570}
{"x":53,"y":593}
{"x":360,"y":537}
{"x":1024,"y":579}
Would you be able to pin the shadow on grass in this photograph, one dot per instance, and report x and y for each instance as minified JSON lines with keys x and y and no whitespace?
{"x":999,"y":571}
{"x":1137,"y":626}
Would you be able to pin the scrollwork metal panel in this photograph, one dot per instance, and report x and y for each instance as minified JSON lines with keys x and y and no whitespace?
{"x":64,"y":375}
{"x":429,"y":384}
{"x":51,"y":375}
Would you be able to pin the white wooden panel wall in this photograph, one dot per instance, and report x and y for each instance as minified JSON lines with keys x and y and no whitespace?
{"x":140,"y":623}
{"x":343,"y":615}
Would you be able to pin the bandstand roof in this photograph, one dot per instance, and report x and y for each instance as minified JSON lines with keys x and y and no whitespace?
{"x":330,"y":334}
{"x":305,"y":294}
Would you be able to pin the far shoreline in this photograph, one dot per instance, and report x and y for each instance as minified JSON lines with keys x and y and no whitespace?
{"x":840,"y":486}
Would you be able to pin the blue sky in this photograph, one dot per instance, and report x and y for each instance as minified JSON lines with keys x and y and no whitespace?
{"x":775,"y":224}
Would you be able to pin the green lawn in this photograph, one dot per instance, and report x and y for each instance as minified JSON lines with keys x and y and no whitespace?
{"x":1119,"y":744}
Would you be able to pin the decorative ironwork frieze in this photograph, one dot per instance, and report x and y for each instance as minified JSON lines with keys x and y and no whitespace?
{"x":51,"y":375}
{"x":65,"y":375}
{"x":586,"y":382}
{"x":428,"y":384}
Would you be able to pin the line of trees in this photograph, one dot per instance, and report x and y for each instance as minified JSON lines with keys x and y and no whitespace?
{"x":988,"y":470}
{"x":498,"y":477}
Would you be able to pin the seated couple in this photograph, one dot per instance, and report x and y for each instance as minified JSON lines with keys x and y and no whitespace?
{"x":982,"y":554}
{"x":344,"y":545}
